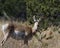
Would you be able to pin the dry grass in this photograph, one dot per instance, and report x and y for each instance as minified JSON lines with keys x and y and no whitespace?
{"x":53,"y":42}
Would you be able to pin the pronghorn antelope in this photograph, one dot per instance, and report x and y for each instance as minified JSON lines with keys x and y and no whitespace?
{"x":18,"y":29}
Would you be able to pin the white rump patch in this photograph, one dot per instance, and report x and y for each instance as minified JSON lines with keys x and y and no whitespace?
{"x":4,"y":27}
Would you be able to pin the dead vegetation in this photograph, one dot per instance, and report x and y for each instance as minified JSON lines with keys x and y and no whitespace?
{"x":49,"y":38}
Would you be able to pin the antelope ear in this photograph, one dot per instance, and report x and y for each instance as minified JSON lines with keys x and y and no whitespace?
{"x":34,"y":18}
{"x":39,"y":19}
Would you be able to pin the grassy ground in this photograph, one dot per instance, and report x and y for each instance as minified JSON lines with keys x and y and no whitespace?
{"x":53,"y":42}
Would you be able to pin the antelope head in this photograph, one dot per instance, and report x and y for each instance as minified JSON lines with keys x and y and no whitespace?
{"x":35,"y":24}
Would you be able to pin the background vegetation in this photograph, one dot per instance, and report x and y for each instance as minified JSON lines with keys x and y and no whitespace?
{"x":24,"y":10}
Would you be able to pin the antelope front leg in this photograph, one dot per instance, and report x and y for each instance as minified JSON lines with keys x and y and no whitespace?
{"x":4,"y":39}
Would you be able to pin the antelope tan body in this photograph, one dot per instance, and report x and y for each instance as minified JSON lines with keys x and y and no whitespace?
{"x":22,"y":29}
{"x":18,"y":29}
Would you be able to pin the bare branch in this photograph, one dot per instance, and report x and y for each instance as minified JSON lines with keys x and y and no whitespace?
{"x":5,"y":14}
